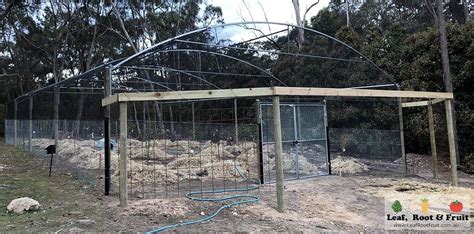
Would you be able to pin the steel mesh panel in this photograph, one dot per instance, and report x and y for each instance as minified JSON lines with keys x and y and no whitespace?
{"x":172,"y":158}
{"x":304,"y":141}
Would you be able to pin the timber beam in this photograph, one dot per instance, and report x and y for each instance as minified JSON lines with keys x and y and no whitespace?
{"x":422,"y":103}
{"x":270,"y":91}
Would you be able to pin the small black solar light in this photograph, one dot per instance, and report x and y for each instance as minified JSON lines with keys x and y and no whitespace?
{"x":51,"y":149}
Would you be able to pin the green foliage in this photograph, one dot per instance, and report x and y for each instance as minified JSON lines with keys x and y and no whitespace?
{"x":396,"y":206}
{"x":41,"y":44}
{"x":401,"y":38}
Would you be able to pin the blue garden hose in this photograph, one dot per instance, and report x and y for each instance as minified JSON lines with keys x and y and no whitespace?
{"x":247,"y":199}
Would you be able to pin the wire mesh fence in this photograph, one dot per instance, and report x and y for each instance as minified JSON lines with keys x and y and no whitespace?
{"x":181,"y":147}
{"x":78,"y":150}
{"x":304,"y":140}
{"x":212,"y":146}
{"x":170,"y":163}
{"x":418,"y":161}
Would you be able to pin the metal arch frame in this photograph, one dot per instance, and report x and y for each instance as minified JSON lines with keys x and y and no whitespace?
{"x":152,"y":82}
{"x":224,"y":55}
{"x":120,"y":81}
{"x":119,"y":62}
{"x":174,"y":70}
{"x":272,"y":52}
{"x":156,"y":67}
{"x":86,"y":75}
{"x":156,"y":46}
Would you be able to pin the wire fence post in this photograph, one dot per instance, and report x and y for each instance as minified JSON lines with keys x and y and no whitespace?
{"x":278,"y":153}
{"x":30,"y":124}
{"x":194,"y":123}
{"x":15,"y":121}
{"x":56,"y":117}
{"x":452,"y":143}
{"x":123,"y":192}
{"x":236,"y":122}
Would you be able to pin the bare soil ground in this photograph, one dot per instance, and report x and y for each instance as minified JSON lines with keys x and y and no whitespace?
{"x":327,"y":203}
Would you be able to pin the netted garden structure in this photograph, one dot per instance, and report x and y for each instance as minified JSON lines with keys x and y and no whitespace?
{"x":200,"y":108}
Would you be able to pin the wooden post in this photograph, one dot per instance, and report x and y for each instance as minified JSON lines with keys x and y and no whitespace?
{"x":56,"y":117}
{"x":434,"y":154}
{"x":402,"y":134}
{"x":30,"y":125}
{"x":236,"y":122}
{"x":194,"y":123}
{"x":452,"y":143}
{"x":15,"y":121}
{"x":123,"y":156}
{"x":278,"y":153}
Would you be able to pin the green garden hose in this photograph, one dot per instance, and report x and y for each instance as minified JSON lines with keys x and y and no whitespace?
{"x":243,"y":199}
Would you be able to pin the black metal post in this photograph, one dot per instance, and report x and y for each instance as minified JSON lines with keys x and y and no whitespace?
{"x":107,"y":156}
{"x":108,"y":92}
{"x":51,"y":164}
{"x":260,"y":152}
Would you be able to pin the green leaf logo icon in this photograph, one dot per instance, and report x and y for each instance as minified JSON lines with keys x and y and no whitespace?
{"x":396,"y":206}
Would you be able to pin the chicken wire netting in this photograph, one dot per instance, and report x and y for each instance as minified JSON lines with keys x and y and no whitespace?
{"x":80,"y":130}
{"x":364,"y":135}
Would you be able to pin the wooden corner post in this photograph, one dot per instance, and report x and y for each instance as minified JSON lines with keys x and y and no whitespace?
{"x":123,"y":192}
{"x":278,"y":153}
{"x":451,"y":140}
{"x":434,"y":154}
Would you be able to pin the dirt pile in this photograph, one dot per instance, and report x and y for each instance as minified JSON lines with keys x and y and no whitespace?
{"x":165,"y":161}
{"x":289,"y":164}
{"x":170,"y":162}
{"x":347,"y":165}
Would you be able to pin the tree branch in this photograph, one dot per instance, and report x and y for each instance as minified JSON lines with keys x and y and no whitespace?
{"x":309,"y":8}
{"x":122,"y":25}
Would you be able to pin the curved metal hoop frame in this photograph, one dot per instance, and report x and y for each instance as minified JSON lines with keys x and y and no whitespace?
{"x":170,"y":40}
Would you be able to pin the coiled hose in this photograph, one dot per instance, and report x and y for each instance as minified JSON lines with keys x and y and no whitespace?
{"x":244,"y":198}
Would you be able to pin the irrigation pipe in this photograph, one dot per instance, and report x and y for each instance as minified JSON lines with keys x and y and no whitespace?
{"x":245,"y":198}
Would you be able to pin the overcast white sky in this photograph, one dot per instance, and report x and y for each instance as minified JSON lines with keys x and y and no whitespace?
{"x":280,"y":11}
{"x":276,"y":10}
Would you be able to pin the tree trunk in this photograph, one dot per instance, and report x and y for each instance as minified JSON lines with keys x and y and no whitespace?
{"x":135,"y":117}
{"x":467,"y":16}
{"x":299,"y":23}
{"x":348,"y":22}
{"x":80,"y":108}
{"x":443,"y":42}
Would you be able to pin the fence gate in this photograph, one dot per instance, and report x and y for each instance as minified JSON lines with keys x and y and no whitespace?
{"x":303,"y":127}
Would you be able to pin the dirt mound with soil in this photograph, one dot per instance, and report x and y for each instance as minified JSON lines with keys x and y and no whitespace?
{"x":165,"y":161}
{"x":347,"y":165}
